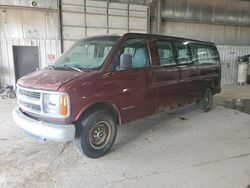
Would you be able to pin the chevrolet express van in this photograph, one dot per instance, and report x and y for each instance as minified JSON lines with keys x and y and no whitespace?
{"x":105,"y":81}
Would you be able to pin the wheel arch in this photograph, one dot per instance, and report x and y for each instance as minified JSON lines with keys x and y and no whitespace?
{"x":100,"y":105}
{"x":209,"y":84}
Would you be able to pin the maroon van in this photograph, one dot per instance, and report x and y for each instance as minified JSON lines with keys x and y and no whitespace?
{"x":105,"y":81}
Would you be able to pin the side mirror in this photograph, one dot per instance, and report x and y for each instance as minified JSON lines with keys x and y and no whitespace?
{"x":125,"y":61}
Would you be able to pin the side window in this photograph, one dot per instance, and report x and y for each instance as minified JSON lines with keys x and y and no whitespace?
{"x":165,"y":53}
{"x":134,"y":50}
{"x":182,"y":53}
{"x":203,"y":54}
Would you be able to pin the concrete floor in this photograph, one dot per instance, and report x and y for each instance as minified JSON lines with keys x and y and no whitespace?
{"x":180,"y":148}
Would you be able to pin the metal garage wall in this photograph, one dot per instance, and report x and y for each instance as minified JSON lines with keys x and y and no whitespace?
{"x":229,"y":66}
{"x":232,"y":41}
{"x":220,"y":34}
{"x":225,"y":22}
{"x":7,"y":69}
{"x":21,"y":25}
{"x":100,"y":17}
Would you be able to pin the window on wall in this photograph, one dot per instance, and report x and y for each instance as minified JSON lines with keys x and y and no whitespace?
{"x":203,"y":54}
{"x":182,"y":53}
{"x":165,"y":52}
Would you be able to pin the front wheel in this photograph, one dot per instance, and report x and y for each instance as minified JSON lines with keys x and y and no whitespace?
{"x":96,"y":135}
{"x":206,"y":101}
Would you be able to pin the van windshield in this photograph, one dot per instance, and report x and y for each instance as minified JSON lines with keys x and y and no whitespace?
{"x":87,"y":54}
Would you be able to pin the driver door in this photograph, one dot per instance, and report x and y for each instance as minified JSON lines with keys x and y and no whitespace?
{"x":137,"y":96}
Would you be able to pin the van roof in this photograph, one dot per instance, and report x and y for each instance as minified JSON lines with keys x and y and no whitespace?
{"x":152,"y":36}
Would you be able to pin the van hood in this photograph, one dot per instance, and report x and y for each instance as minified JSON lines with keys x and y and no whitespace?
{"x":48,"y":79}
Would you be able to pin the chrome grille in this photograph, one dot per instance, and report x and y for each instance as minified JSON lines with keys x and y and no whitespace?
{"x":33,"y":101}
{"x":30,"y":105}
{"x":29,"y":100}
{"x":31,"y":94}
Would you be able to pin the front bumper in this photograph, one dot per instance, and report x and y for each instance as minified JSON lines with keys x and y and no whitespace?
{"x":41,"y":130}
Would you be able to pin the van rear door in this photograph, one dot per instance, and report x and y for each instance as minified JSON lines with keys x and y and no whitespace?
{"x":206,"y":58}
{"x":189,"y":74}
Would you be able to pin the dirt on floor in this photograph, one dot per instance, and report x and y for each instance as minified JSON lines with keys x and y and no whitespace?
{"x":179,"y":148}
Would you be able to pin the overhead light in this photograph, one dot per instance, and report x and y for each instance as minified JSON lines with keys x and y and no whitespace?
{"x":33,"y":4}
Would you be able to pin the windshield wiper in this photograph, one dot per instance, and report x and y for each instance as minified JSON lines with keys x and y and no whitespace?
{"x":51,"y":67}
{"x":73,"y":67}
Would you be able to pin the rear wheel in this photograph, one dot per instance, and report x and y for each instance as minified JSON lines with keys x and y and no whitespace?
{"x":97,"y":134}
{"x":206,"y":101}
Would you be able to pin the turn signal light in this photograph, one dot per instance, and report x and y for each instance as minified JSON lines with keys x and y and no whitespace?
{"x":63,"y":106}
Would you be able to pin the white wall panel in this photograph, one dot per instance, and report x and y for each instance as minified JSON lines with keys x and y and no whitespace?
{"x":47,"y":4}
{"x":137,"y":14}
{"x":138,"y":24}
{"x":41,"y":3}
{"x":92,"y":3}
{"x":5,"y":61}
{"x":73,"y":2}
{"x":18,"y":23}
{"x":118,"y":12}
{"x":137,"y":31}
{"x":73,"y":19}
{"x":7,"y":69}
{"x":96,"y":10}
{"x":118,"y":6}
{"x":68,"y":44}
{"x":138,"y":7}
{"x":11,"y":61}
{"x":93,"y":20}
{"x":96,"y":31}
{"x":10,"y":23}
{"x":73,"y":8}
{"x":101,"y":18}
{"x":73,"y":32}
{"x":33,"y":29}
{"x":117,"y":31}
{"x":27,"y":27}
{"x":118,"y":22}
{"x":8,"y":2}
{"x":52,"y":25}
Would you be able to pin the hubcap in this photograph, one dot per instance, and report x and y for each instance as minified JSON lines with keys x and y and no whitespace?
{"x":100,"y":134}
{"x":207,"y":99}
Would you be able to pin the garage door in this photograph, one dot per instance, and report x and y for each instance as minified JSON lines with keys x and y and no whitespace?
{"x":81,"y":18}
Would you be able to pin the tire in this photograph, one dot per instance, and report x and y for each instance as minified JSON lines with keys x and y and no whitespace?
{"x":206,"y":101}
{"x":96,"y":134}
{"x":12,"y":95}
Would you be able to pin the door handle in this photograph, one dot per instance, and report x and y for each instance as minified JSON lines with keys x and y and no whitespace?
{"x":153,"y":76}
{"x":182,"y":66}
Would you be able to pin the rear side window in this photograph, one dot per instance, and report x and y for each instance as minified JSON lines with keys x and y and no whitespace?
{"x":165,"y":52}
{"x":203,"y":54}
{"x":182,"y":53}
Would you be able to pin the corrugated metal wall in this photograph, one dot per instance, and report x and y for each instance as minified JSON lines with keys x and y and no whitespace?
{"x":45,"y":4}
{"x":221,"y":34}
{"x":100,"y":17}
{"x":7,"y":69}
{"x":22,"y":25}
{"x":229,"y":65}
{"x":225,"y":22}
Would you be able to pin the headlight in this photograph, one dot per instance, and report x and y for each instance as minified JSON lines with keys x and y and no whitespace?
{"x":56,"y":104}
